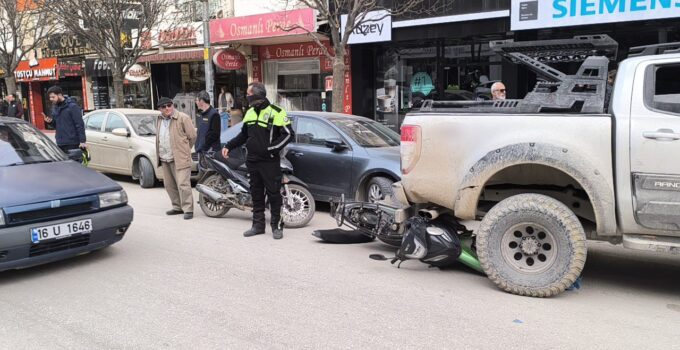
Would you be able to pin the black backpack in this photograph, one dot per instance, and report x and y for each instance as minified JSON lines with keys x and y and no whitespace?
{"x":433,"y":242}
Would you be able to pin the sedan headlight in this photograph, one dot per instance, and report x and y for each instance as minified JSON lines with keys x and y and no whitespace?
{"x":111,"y":199}
{"x":2,"y":218}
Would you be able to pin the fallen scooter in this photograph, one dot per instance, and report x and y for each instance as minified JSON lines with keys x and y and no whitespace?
{"x":438,"y":243}
{"x":222,"y":188}
{"x":433,"y":238}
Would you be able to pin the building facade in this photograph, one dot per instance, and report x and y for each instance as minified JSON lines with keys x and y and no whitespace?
{"x":445,"y":54}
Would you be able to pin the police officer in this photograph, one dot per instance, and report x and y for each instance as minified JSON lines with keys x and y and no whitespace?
{"x":266,"y":131}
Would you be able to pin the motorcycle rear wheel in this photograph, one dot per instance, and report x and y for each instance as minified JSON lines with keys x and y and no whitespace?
{"x":209,"y":207}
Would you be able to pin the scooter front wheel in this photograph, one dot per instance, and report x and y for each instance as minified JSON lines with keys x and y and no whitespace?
{"x":298,"y":206}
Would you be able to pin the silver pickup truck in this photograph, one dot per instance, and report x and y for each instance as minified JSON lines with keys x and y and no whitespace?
{"x":534,"y":178}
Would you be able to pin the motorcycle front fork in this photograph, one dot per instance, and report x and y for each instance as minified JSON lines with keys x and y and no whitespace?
{"x":286,"y":195}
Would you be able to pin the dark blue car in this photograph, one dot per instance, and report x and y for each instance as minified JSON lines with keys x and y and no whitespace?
{"x":338,"y":154}
{"x":51,"y":207}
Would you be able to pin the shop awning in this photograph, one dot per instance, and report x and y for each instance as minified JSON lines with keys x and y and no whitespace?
{"x":274,"y":28}
{"x":173,"y":56}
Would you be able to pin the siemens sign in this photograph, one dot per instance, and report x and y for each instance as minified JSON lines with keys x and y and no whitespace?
{"x":533,"y":14}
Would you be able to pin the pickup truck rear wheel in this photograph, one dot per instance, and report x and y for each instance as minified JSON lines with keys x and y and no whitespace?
{"x":531,"y":245}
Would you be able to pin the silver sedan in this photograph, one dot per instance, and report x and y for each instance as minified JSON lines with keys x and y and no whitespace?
{"x":123,"y":141}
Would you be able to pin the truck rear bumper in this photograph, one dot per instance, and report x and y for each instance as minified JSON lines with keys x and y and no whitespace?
{"x":400,"y":200}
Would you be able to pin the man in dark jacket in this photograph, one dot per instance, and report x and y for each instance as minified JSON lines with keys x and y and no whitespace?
{"x":14,"y":107}
{"x":67,"y":120}
{"x":209,"y":125}
{"x":266,"y":131}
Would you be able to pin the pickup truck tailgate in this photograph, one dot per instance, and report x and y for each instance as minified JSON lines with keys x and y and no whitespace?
{"x":452,"y":145}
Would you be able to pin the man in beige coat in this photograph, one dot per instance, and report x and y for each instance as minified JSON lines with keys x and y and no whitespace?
{"x":175,"y":136}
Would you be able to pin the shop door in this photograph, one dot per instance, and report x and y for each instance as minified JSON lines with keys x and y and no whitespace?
{"x":327,"y":172}
{"x":117,"y":149}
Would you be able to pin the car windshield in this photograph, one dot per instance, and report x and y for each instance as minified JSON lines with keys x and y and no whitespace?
{"x":367,"y":133}
{"x":23,"y":144}
{"x":144,"y":124}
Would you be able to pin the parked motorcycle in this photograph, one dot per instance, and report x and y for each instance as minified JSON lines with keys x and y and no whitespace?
{"x":225,"y":186}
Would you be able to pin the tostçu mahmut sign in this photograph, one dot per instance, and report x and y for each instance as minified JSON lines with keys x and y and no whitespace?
{"x":533,"y":14}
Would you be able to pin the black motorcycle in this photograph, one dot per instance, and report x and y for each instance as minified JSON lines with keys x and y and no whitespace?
{"x":225,"y":185}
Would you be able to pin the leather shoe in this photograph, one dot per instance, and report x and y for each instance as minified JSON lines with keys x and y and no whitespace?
{"x":277,"y":233}
{"x":254,"y":231}
{"x":173,"y":212}
{"x":188,"y":216}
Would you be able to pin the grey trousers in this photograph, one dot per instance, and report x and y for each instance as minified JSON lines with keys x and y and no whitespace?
{"x":177,"y":183}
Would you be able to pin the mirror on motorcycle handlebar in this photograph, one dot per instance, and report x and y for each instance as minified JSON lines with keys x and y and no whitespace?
{"x":336,"y":144}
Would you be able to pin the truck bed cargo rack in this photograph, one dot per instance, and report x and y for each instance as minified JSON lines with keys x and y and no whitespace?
{"x":656,"y":49}
{"x":583,"y":92}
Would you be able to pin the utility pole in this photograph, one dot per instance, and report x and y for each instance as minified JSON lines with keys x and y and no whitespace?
{"x":209,"y":79}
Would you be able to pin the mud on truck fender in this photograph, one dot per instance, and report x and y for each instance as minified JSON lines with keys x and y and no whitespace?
{"x":530,"y":243}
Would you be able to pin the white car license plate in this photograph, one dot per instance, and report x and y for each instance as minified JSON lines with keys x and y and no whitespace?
{"x":60,"y":231}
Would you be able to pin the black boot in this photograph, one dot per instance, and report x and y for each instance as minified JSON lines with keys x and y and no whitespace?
{"x":277,"y":233}
{"x":254,"y":231}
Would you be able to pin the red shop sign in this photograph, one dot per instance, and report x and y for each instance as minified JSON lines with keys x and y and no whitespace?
{"x":329,"y":83}
{"x":229,"y":59}
{"x":268,"y":25}
{"x":299,"y":50}
{"x":41,"y":70}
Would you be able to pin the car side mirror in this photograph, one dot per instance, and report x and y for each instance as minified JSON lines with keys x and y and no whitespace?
{"x":121,"y":132}
{"x":336,"y":144}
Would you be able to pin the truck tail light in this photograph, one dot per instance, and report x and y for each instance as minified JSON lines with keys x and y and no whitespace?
{"x":410,"y":147}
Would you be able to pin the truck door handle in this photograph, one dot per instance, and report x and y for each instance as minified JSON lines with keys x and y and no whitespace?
{"x":297,"y":154}
{"x":662,"y":135}
{"x":105,"y":138}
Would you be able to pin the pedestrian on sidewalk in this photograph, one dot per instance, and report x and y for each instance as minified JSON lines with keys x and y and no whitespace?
{"x":266,"y":131}
{"x":67,"y":120}
{"x":14,"y":107}
{"x":225,"y":100}
{"x":175,"y":136}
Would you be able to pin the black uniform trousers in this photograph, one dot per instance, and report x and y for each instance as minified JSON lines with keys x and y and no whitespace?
{"x":265,"y":177}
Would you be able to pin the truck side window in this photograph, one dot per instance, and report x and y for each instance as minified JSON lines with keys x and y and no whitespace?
{"x":662,"y":92}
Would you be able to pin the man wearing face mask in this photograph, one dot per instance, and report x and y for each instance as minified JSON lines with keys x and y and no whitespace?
{"x":266,"y":131}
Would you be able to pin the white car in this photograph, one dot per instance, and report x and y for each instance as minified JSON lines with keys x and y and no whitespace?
{"x":123,"y":141}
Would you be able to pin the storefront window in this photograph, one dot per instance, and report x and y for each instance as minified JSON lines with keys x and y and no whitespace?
{"x":294,"y":84}
{"x":469,"y":72}
{"x":137,"y":95}
{"x":406,"y":77}
{"x":409,"y":75}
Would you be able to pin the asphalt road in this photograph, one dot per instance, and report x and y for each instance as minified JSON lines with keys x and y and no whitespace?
{"x":200,"y":285}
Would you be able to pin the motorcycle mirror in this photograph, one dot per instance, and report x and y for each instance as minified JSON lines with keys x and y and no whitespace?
{"x":378,"y":257}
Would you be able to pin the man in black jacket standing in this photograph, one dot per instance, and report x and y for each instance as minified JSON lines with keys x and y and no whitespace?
{"x":266,"y":131}
{"x":67,"y":119}
{"x":210,"y":125}
{"x":14,"y":107}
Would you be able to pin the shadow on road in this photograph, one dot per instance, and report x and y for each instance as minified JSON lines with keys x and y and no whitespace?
{"x":13,"y":276}
{"x":633,"y":271}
